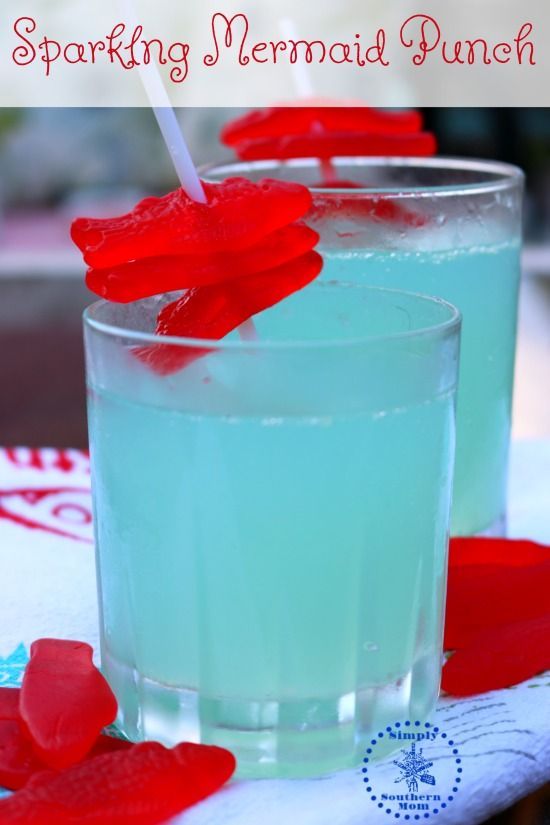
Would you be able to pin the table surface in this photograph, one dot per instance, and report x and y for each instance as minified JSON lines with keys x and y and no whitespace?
{"x":48,"y":589}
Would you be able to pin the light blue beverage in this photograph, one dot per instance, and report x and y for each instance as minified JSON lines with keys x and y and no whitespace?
{"x":272,"y":525}
{"x":483,"y":282}
{"x":448,"y":227}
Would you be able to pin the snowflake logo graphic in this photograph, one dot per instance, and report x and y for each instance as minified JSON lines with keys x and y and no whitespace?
{"x":414,"y":767}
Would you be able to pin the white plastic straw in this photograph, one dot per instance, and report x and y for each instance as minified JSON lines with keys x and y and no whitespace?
{"x":166,"y":119}
{"x":173,"y":137}
{"x":304,"y":88}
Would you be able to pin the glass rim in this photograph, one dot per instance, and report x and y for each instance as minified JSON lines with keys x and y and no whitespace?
{"x":507,"y":176}
{"x":439,"y":329}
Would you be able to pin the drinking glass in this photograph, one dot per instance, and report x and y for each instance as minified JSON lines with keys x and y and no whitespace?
{"x":447,"y":227}
{"x":272,"y":520}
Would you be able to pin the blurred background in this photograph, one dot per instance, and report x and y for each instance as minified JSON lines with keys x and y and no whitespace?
{"x":57,"y":163}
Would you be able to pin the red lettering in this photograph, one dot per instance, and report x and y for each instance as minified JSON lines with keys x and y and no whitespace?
{"x":506,"y":49}
{"x":49,"y":56}
{"x":43,"y":459}
{"x":147,"y":53}
{"x":427,"y":39}
{"x":25,"y":457}
{"x":80,"y":53}
{"x":113,"y":48}
{"x":309,"y":44}
{"x":375,"y":54}
{"x":135,"y":61}
{"x":280,"y":45}
{"x":178,"y":75}
{"x":212,"y":59}
{"x":472,"y":51}
{"x":345,"y":53}
{"x":23,"y":55}
{"x":259,"y":47}
{"x":524,"y":32}
{"x":99,"y":46}
{"x":455,"y":58}
{"x":62,"y":461}
{"x":358,"y":59}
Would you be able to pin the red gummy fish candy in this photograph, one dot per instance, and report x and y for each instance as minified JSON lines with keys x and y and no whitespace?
{"x":237,"y":215}
{"x":237,"y":254}
{"x":497,"y":615}
{"x":117,"y":782}
{"x":326,"y":145}
{"x":499,"y":657}
{"x":504,"y":552}
{"x":18,"y":762}
{"x":481,"y":596}
{"x":211,"y":312}
{"x":165,"y":273}
{"x":326,"y":132}
{"x":144,"y":785}
{"x":292,"y":120}
{"x":65,"y":701}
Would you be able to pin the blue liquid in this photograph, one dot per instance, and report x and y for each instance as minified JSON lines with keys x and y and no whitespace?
{"x":272,"y":536}
{"x":483,"y":283}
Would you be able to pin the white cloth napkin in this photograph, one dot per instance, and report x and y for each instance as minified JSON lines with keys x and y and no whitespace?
{"x":48,"y":589}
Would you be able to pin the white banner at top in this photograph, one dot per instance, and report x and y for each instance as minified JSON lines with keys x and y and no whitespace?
{"x":261,"y":52}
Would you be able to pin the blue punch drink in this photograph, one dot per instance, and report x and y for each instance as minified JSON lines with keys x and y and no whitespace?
{"x":444,"y":227}
{"x":483,"y":282}
{"x":272,"y":524}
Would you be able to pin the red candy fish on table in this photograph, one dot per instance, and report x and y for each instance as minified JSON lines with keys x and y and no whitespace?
{"x":497,"y":619}
{"x":64,"y":770}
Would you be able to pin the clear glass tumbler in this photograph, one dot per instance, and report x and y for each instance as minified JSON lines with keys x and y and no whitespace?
{"x":272,"y":523}
{"x":447,"y":227}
